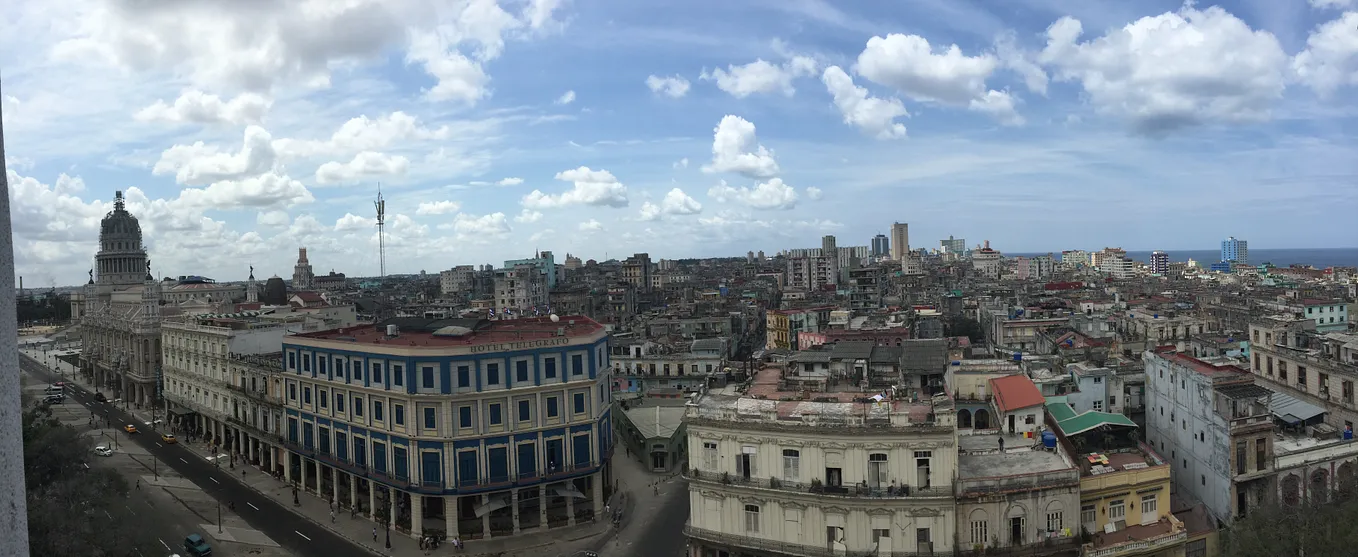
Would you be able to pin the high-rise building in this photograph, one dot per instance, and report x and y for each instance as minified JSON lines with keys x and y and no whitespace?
{"x":1235,"y":251}
{"x":881,"y":246}
{"x":900,"y":240}
{"x":1159,"y":262}
{"x":302,"y":276}
{"x":956,"y":246}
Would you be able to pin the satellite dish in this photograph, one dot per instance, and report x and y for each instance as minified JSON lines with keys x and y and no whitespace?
{"x":555,"y":318}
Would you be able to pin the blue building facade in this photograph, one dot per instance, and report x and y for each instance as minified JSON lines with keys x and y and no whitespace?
{"x":1235,"y":251}
{"x":545,"y":262}
{"x":483,"y":439}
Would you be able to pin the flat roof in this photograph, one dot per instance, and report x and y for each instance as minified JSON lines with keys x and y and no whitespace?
{"x":517,"y":334}
{"x":1012,"y":462}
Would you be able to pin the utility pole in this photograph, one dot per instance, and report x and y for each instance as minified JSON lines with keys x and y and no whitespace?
{"x":14,"y":513}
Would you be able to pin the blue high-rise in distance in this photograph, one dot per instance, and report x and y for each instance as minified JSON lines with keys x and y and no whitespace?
{"x":1235,"y":251}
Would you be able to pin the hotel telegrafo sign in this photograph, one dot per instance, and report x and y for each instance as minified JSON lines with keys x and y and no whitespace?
{"x":520,"y":345}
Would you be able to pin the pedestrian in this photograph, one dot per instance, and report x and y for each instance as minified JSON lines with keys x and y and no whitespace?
{"x":332,"y":516}
{"x":374,"y":533}
{"x":139,"y":484}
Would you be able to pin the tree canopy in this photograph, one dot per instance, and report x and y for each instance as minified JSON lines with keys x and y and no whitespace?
{"x":1307,"y":529}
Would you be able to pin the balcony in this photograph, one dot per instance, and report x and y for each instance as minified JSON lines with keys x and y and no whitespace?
{"x":1138,"y":547}
{"x":776,"y":547}
{"x":256,"y":430}
{"x":818,"y":488}
{"x":257,"y":396}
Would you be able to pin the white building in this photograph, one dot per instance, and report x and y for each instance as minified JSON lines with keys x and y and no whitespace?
{"x":986,"y":261}
{"x":1074,"y":259}
{"x":1117,"y":267}
{"x":302,"y":276}
{"x":456,"y":280}
{"x":900,"y":240}
{"x":856,"y":478}
{"x":520,"y":291}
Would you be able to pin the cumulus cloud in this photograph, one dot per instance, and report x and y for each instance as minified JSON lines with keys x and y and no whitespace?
{"x":735,"y":148}
{"x":273,"y":219}
{"x":681,"y":163}
{"x":351,"y":222}
{"x":814,"y":193}
{"x":872,"y":115}
{"x":946,"y":76}
{"x":566,"y":98}
{"x":673,"y":87}
{"x":597,"y":188}
{"x":761,"y":76}
{"x":365,"y":134}
{"x":468,"y":227}
{"x":365,"y":165}
{"x":1330,"y":60}
{"x":773,"y":194}
{"x":591,"y":225}
{"x":200,"y":163}
{"x":438,"y":208}
{"x":676,"y":202}
{"x":526,"y":216}
{"x":196,"y":107}
{"x":1206,"y":66}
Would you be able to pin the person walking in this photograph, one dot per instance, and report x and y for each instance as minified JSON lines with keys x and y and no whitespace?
{"x":332,"y":516}
{"x":138,"y":484}
{"x":374,"y":533}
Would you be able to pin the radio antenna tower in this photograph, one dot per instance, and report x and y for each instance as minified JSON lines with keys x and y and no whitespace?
{"x":381,"y":206}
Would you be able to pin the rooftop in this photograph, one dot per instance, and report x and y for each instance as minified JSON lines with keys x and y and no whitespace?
{"x":436,"y":333}
{"x":765,"y":400}
{"x":1013,"y":392}
{"x":979,"y":456}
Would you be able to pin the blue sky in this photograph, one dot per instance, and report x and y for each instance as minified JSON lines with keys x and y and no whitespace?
{"x":244,"y":130}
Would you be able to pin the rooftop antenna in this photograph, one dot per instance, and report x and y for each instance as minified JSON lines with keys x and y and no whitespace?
{"x":381,"y":206}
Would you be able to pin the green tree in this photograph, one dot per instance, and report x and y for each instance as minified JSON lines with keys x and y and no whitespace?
{"x":965,"y":327}
{"x":1307,"y":529}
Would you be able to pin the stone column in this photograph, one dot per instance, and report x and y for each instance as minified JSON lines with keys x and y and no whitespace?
{"x":334,"y":484}
{"x":450,"y":515}
{"x":372,"y":500}
{"x":485,"y":519}
{"x":514,"y":504}
{"x":416,"y":515}
{"x":302,"y":467}
{"x":597,"y":480}
{"x":318,"y":477}
{"x":353,"y":489}
{"x":542,"y":506}
{"x":287,"y":466}
{"x":391,"y":506}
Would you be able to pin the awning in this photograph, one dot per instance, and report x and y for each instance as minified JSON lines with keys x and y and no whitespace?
{"x":495,"y":503}
{"x":182,"y":412}
{"x":567,"y":490}
{"x":1293,"y":411}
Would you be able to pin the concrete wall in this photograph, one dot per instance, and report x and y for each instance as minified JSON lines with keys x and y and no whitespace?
{"x":1183,"y":428}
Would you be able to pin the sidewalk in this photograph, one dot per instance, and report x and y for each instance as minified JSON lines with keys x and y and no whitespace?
{"x":360,"y":530}
{"x":645,"y":492}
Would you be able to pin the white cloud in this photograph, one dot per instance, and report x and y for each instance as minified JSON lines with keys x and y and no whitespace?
{"x":735,"y":148}
{"x":1173,"y":70}
{"x":566,"y":98}
{"x":526,"y":216}
{"x":541,"y":234}
{"x":773,"y":194}
{"x":368,"y":164}
{"x":681,"y":163}
{"x":1332,"y":4}
{"x":350,"y":222}
{"x":1330,"y":60}
{"x":909,"y":64}
{"x":649,"y":211}
{"x":673,"y":87}
{"x":597,"y":188}
{"x":676,"y":202}
{"x":438,"y":208}
{"x":591,"y":225}
{"x":761,"y":76}
{"x":265,"y":190}
{"x":814,"y":193}
{"x":872,"y":115}
{"x":199,"y":163}
{"x":509,"y":182}
{"x":273,"y":219}
{"x":1018,"y":61}
{"x":365,"y":134}
{"x":1000,"y":105}
{"x":469,"y":227}
{"x":197,"y":107}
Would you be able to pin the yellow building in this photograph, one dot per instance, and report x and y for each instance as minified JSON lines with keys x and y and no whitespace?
{"x":777,"y":325}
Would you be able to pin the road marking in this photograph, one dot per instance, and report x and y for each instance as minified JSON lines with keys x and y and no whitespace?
{"x":108,"y":515}
{"x":252,"y":506}
{"x":301,"y":534}
{"x":184,"y":461}
{"x":214,"y":480}
{"x":162,"y":542}
{"x":159,"y":445}
{"x":129,"y":509}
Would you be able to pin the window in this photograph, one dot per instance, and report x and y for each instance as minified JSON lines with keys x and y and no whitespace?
{"x":551,"y":407}
{"x":1087,"y":517}
{"x":464,"y":417}
{"x":377,"y":410}
{"x":1054,"y":522}
{"x":323,"y":397}
{"x":377,"y":372}
{"x":398,"y":375}
{"x":577,"y":364}
{"x":358,"y":371}
{"x":292,"y":391}
{"x":1098,"y":406}
{"x":521,"y":371}
{"x":979,"y":535}
{"x":1260,"y":450}
{"x":1116,"y":510}
{"x":339,"y":402}
{"x":525,"y":411}
{"x":579,"y":403}
{"x":1196,"y":549}
{"x":306,"y":395}
{"x":358,"y":406}
{"x":339,"y":368}
{"x":492,"y":374}
{"x":398,"y":414}
{"x":306,"y":362}
{"x":877,"y":470}
{"x":710,"y":456}
{"x":427,"y":377}
{"x":752,"y":518}
{"x":292,"y":360}
{"x":495,"y":418}
{"x":792,"y":465}
{"x":1148,"y":509}
{"x":430,"y":418}
{"x":549,"y":368}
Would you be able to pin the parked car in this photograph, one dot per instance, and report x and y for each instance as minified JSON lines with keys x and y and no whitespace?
{"x":196,"y":546}
{"x":168,"y":439}
{"x":103,"y":450}
{"x":130,"y":428}
{"x":99,"y":397}
{"x":53,"y":399}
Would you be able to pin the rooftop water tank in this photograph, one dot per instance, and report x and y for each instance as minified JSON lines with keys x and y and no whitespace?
{"x":1049,"y":439}
{"x":1018,"y":356}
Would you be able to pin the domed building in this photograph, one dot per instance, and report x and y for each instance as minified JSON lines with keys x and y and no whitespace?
{"x":120,"y":329}
{"x":275,"y":292}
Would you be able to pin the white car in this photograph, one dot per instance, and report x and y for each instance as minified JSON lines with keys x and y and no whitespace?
{"x":103,"y":450}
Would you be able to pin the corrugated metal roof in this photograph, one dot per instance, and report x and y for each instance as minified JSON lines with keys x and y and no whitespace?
{"x":1292,"y":410}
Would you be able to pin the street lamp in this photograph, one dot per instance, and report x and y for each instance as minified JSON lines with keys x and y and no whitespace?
{"x":386,"y":508}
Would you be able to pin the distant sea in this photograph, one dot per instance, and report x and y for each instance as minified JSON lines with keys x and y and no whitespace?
{"x":1318,"y":258}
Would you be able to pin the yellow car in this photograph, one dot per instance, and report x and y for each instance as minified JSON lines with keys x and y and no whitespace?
{"x":130,"y":428}
{"x":168,"y":439}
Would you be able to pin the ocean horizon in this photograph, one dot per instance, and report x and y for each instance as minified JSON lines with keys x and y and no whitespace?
{"x":1319,"y":258}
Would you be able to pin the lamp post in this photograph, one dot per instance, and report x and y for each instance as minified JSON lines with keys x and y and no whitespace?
{"x":386,"y":507}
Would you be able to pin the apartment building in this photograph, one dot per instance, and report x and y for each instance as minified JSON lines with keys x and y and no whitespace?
{"x":847,"y":476}
{"x":456,"y":280}
{"x":1292,"y":357}
{"x":520,"y":291}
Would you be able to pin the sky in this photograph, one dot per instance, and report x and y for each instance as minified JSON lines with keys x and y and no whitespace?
{"x":242,"y":130}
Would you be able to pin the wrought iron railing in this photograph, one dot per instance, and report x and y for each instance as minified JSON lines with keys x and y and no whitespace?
{"x":819,"y":488}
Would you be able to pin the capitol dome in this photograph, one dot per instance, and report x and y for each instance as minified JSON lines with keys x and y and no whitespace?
{"x":122,"y":257}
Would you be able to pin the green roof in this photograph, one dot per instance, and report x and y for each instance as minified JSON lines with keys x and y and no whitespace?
{"x":1091,"y":420}
{"x":1059,"y":409}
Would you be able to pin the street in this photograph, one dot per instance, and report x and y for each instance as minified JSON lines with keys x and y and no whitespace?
{"x":186,"y":473}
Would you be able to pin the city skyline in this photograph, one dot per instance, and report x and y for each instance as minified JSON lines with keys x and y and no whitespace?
{"x":708,"y":131}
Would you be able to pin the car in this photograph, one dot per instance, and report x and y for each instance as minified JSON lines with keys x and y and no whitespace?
{"x":53,"y":399}
{"x":196,"y":546}
{"x":99,"y":397}
{"x":103,"y":450}
{"x":130,"y":428}
{"x":168,"y":439}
